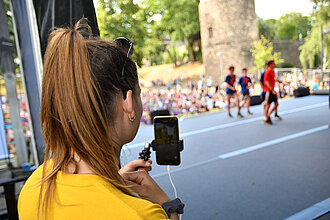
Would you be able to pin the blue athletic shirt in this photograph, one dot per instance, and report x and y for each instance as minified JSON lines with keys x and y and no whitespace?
{"x":244,"y":82}
{"x":231,"y":80}
{"x":262,"y":76}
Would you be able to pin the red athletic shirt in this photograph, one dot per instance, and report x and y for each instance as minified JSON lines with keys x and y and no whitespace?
{"x":270,"y":77}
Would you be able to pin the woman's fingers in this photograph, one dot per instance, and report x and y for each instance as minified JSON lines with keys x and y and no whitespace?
{"x":148,"y":169}
{"x":131,"y":166}
{"x":135,"y":165}
{"x":137,"y":177}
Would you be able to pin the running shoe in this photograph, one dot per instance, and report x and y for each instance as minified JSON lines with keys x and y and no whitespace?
{"x":240,"y":115}
{"x":268,"y":121}
{"x":229,"y":115}
{"x":277,"y":117}
{"x":250,"y":113}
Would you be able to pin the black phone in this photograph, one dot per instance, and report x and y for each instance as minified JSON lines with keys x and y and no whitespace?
{"x":166,"y":140}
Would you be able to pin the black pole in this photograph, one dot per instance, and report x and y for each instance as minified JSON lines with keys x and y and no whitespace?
{"x":9,"y":189}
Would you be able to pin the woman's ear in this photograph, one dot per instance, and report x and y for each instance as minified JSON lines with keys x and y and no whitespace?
{"x":128,"y":103}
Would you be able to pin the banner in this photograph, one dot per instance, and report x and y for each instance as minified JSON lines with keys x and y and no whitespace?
{"x":3,"y":141}
{"x":62,"y":13}
{"x":26,"y":32}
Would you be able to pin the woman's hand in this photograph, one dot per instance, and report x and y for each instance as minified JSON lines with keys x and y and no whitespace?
{"x":145,"y":186}
{"x":136,"y":175}
{"x":136,"y":165}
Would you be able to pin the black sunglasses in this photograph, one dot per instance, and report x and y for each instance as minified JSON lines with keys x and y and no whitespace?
{"x":125,"y":44}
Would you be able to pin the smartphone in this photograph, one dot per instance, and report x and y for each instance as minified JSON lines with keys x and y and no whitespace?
{"x":166,"y":140}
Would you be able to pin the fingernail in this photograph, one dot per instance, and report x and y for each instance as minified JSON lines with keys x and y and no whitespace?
{"x":148,"y":163}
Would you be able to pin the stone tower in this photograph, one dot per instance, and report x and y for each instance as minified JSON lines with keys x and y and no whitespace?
{"x":228,"y":29}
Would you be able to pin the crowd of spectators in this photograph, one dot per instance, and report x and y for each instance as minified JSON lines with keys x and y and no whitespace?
{"x":182,"y":97}
{"x":187,"y":97}
{"x":288,"y":83}
{"x":180,"y":103}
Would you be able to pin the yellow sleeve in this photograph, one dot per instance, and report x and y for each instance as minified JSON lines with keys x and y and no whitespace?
{"x":154,"y":212}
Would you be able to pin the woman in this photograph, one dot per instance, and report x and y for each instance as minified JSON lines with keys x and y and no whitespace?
{"x":90,"y":108}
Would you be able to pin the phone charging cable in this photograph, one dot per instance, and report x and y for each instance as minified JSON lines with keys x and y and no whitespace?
{"x":175,"y":193}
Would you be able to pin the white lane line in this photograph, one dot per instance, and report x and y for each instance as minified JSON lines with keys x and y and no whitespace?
{"x":187,"y":167}
{"x":218,"y":127}
{"x":312,"y":212}
{"x":272,"y":142}
{"x":247,"y":150}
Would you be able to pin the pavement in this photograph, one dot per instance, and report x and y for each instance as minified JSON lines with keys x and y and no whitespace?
{"x":236,"y":168}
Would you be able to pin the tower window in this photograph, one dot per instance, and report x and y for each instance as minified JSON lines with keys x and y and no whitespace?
{"x":210,"y":32}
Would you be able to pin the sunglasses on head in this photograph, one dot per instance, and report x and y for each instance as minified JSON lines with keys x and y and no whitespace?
{"x":127,"y":45}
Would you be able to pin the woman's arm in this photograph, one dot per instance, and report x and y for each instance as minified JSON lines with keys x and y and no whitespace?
{"x":147,"y":188}
{"x":135,"y":173}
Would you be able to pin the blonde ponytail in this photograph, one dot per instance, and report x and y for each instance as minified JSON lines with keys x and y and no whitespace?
{"x":73,"y":112}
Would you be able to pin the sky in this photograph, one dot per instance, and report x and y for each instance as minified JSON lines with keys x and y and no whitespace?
{"x":268,"y":9}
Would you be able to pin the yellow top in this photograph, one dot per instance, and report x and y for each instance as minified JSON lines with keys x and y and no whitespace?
{"x":85,"y":196}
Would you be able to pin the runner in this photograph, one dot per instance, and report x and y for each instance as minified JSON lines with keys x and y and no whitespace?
{"x":245,"y":83}
{"x":231,"y":91}
{"x":271,"y":95}
{"x":261,"y":80}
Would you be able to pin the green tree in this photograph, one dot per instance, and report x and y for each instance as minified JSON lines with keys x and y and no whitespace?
{"x":293,"y":26}
{"x":320,"y":2}
{"x":177,"y":21}
{"x":148,"y":23}
{"x":263,"y":52}
{"x":311,"y":49}
{"x":181,"y":19}
{"x":155,"y":44}
{"x":123,"y":18}
{"x":267,"y":28}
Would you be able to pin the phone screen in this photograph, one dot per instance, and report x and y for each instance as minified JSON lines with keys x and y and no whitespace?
{"x":167,"y":137}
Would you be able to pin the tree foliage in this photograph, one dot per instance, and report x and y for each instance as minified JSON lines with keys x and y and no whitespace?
{"x":126,"y":18}
{"x":320,"y":2}
{"x":181,"y":21}
{"x":267,"y":28}
{"x":262,"y":52}
{"x":311,"y":50}
{"x":169,"y":22}
{"x":292,"y":26}
{"x":149,"y":23}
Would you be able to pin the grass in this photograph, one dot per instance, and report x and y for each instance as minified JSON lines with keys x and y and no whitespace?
{"x":168,"y":72}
